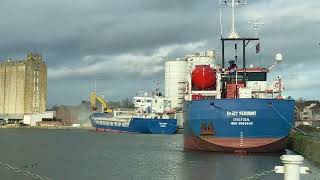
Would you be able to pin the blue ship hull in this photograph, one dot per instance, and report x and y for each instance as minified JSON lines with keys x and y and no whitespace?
{"x":137,"y":125}
{"x":236,"y":125}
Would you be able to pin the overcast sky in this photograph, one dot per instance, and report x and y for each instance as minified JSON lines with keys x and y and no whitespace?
{"x":122,"y":44}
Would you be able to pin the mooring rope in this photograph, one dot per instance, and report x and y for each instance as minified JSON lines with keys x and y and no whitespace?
{"x":299,"y":130}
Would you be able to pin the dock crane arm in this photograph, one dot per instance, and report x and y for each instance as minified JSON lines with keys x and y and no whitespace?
{"x":93,"y":99}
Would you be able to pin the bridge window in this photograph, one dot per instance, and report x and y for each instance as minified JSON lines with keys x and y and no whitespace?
{"x":257,"y":76}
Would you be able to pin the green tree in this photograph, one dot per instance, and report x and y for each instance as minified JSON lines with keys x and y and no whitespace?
{"x":114,"y":104}
{"x":127,"y":103}
{"x":54,"y":108}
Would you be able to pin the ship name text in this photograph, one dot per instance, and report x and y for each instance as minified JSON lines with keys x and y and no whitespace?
{"x":163,"y":124}
{"x":241,"y":113}
{"x":243,"y":120}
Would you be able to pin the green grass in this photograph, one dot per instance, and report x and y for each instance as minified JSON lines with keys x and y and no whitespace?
{"x":306,"y":145}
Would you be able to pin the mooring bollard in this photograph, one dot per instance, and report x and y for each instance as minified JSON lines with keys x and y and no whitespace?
{"x":291,"y":168}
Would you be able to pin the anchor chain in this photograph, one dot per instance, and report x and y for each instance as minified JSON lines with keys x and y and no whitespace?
{"x":258,"y":175}
{"x":23,"y":172}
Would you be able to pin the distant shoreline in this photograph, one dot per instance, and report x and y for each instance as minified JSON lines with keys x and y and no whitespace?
{"x":179,"y":131}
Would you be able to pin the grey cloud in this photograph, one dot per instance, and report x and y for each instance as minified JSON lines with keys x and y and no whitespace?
{"x":85,"y":40}
{"x":96,"y":26}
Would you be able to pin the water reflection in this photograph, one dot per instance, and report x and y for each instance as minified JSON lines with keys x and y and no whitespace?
{"x":221,"y":166}
{"x":86,"y":155}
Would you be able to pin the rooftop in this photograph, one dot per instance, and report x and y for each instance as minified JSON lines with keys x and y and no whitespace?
{"x":31,"y":57}
{"x":303,"y":104}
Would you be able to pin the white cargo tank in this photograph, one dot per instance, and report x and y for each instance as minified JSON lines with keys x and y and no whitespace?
{"x":175,"y":77}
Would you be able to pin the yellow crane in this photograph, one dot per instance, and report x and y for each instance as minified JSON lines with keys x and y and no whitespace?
{"x":93,"y":99}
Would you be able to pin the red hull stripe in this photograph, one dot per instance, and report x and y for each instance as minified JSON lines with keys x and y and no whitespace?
{"x":235,"y":144}
{"x":110,"y":130}
{"x":240,"y":142}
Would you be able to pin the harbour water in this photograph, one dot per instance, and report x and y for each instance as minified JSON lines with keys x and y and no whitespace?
{"x":87,"y":155}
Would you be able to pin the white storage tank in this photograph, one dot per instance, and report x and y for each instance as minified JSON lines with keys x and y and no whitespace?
{"x":175,"y":78}
{"x":180,"y":119}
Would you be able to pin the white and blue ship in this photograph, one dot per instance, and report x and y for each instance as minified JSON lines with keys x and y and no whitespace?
{"x":234,"y":111}
{"x":233,"y":108}
{"x":152,"y":115}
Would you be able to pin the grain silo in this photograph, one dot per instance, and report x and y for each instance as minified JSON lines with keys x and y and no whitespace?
{"x":23,"y":87}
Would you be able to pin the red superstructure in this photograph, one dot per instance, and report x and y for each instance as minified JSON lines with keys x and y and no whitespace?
{"x":233,"y":90}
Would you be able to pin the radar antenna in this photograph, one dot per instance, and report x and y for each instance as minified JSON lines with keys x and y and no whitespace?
{"x":233,"y":4}
{"x":256,"y":25}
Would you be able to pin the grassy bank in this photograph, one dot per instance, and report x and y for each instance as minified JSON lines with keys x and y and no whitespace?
{"x":307,"y":145}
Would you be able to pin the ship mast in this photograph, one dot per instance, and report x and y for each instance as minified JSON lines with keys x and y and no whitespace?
{"x":233,"y":36}
{"x":256,"y":25}
{"x":233,"y":4}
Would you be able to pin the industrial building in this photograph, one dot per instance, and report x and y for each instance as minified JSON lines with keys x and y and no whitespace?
{"x":307,"y":113}
{"x":23,"y":88}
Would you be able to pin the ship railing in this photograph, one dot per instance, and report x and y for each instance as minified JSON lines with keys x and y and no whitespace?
{"x":152,"y":116}
{"x":115,"y":119}
{"x":125,"y":109}
{"x":125,"y":114}
{"x":121,"y":123}
{"x":143,"y":115}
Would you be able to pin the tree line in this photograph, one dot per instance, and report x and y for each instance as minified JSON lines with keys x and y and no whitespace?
{"x":124,"y":103}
